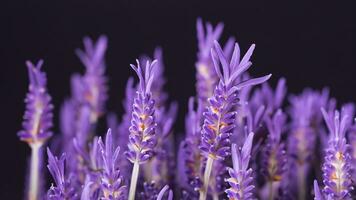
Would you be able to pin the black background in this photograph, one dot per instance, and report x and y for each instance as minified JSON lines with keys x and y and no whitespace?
{"x":311,"y":44}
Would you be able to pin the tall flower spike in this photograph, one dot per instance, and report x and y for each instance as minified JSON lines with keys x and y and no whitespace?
{"x":37,"y":123}
{"x":220,"y":114}
{"x":111,"y":180}
{"x":142,"y":138}
{"x":63,"y":189}
{"x":337,"y":164}
{"x":93,"y":89}
{"x":241,"y":180}
{"x":274,"y":158}
{"x":38,"y":115}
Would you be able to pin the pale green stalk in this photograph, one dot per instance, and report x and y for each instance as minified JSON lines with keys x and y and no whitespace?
{"x":204,"y":192}
{"x":34,"y":172}
{"x":134,"y":178}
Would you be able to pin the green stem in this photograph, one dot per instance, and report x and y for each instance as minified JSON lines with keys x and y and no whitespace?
{"x":34,"y":172}
{"x":204,"y":192}
{"x":134,"y":178}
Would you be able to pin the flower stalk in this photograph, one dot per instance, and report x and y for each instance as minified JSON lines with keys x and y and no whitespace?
{"x":134,"y":177}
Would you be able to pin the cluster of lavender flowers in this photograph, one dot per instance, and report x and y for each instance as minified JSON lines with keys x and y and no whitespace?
{"x":240,"y":142}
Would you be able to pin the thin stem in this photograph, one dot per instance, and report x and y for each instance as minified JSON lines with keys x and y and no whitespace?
{"x":34,"y":172}
{"x":215,"y":196}
{"x":301,"y":183}
{"x":134,"y":178}
{"x":209,"y":165}
{"x":271,"y":191}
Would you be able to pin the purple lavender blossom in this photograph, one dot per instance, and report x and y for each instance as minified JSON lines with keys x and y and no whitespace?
{"x":337,"y":164}
{"x":189,"y":157}
{"x":142,"y":138}
{"x":219,"y":115}
{"x":36,"y":125}
{"x":38,"y":115}
{"x":305,"y":127}
{"x":272,"y":99}
{"x":111,"y":180}
{"x":63,"y":188}
{"x":241,"y":180}
{"x":92,"y":89}
{"x":274,"y":157}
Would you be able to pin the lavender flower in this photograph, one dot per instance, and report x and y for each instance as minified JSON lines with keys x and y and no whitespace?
{"x":189,"y":157}
{"x":111,"y":180}
{"x":38,"y":115}
{"x":272,"y":99}
{"x":63,"y":188}
{"x":274,"y":157}
{"x":306,"y":122}
{"x":142,"y":137}
{"x":142,"y":130}
{"x":241,"y":179}
{"x":337,"y":164}
{"x":219,"y":115}
{"x":37,"y":122}
{"x":92,"y":90}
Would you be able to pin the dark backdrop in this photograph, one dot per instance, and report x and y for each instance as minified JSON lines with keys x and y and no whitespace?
{"x":310,"y":44}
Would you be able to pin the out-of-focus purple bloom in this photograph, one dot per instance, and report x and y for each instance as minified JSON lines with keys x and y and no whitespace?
{"x":38,"y":115}
{"x":274,"y":154}
{"x":241,"y":180}
{"x":189,"y":157}
{"x":111,"y":180}
{"x":92,"y":89}
{"x":337,"y":164}
{"x":206,"y":76}
{"x":272,"y":99}
{"x":274,"y":157}
{"x":219,"y":116}
{"x":142,"y":137}
{"x":305,"y":128}
{"x":63,"y":188}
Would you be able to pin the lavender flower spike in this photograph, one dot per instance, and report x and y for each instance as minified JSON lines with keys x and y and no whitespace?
{"x":337,"y":164}
{"x":111,"y":180}
{"x":241,"y":179}
{"x":56,"y":167}
{"x":142,"y":137}
{"x":220,"y":114}
{"x":92,"y":87}
{"x":38,"y":115}
{"x":37,"y":122}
